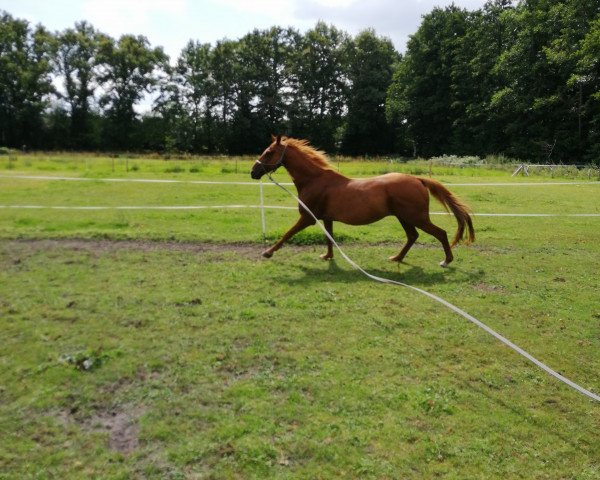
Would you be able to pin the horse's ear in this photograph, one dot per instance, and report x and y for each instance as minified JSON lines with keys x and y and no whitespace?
{"x":278,"y":139}
{"x":273,"y":138}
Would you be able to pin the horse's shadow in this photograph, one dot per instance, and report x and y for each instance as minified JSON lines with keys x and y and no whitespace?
{"x":405,"y":273}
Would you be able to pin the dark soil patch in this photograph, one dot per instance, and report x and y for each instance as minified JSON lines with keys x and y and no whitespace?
{"x":105,"y":245}
{"x":91,"y":245}
{"x":121,"y":425}
{"x":488,"y":288}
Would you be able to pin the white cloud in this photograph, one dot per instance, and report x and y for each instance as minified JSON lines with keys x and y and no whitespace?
{"x":392,"y":18}
{"x":133,"y":16}
{"x":172,"y":23}
{"x":275,"y":12}
{"x":335,"y":3}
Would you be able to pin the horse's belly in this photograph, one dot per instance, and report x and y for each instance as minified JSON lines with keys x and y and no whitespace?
{"x":356,"y":208}
{"x":355,"y":219}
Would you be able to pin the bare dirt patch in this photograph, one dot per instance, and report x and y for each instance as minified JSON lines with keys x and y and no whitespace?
{"x":121,"y":425}
{"x":100,"y":246}
{"x":248,"y":249}
{"x":488,"y":288}
{"x":123,"y":429}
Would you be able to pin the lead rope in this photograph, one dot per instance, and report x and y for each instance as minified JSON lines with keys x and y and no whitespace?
{"x":447,"y":304}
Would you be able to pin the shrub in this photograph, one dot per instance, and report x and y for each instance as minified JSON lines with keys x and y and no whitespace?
{"x":175,"y":169}
{"x":455,"y":160}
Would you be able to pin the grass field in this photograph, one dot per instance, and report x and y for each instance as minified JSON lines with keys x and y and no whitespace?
{"x":158,"y":344}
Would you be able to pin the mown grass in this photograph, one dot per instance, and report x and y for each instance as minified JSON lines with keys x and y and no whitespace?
{"x":164,"y":356}
{"x":232,"y":225}
{"x":215,"y":167}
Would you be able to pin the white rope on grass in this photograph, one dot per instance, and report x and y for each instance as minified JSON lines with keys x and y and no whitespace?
{"x":447,"y":304}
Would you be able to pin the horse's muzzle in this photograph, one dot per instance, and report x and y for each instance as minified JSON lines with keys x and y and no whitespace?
{"x":256,"y":173}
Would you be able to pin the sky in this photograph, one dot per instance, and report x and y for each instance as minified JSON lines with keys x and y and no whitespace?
{"x":172,"y":23}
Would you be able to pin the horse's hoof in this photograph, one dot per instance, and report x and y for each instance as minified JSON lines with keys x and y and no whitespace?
{"x":267,"y":254}
{"x":444,"y":264}
{"x":326,"y":256}
{"x":395,"y":258}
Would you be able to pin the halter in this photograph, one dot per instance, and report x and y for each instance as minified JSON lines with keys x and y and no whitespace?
{"x":276,"y":165}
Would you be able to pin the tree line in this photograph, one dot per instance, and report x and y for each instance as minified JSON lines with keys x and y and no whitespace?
{"x":517,"y":79}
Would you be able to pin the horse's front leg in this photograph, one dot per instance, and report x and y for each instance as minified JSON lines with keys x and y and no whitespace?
{"x":329,"y":227}
{"x":303,"y":222}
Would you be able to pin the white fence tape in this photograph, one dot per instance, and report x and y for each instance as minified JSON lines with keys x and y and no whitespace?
{"x":262,"y":207}
{"x":255,"y":184}
{"x":143,"y":207}
{"x":124,"y":180}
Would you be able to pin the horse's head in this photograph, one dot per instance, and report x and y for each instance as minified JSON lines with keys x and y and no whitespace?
{"x":271,"y":159}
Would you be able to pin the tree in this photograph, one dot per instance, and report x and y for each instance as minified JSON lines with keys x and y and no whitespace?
{"x":223,"y":69}
{"x":77,"y":63}
{"x":265,"y":55}
{"x":371,"y":60}
{"x":25,"y":81}
{"x":587,"y":78}
{"x":573,"y":53}
{"x":242,"y":135}
{"x":129,"y":71}
{"x":423,"y":95}
{"x":319,"y":82}
{"x":186,"y":101}
{"x":475,"y":79}
{"x":537,"y":69}
{"x":397,"y":110}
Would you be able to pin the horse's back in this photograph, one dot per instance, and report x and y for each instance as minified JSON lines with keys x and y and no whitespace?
{"x":363,"y":201}
{"x":395,"y":186}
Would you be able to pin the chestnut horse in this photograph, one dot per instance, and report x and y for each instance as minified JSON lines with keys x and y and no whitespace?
{"x":334,"y":197}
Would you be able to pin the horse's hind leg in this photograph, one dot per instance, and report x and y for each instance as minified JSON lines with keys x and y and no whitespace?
{"x":441,"y":235}
{"x":411,"y":238}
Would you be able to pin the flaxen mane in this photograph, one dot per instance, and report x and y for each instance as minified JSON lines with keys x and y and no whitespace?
{"x":317,"y":157}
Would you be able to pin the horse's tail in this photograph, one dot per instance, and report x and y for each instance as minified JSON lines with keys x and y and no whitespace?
{"x":455,"y":205}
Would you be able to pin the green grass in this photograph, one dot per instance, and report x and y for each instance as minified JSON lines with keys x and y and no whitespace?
{"x":216,"y":167}
{"x":179,"y":353}
{"x":230,"y":225}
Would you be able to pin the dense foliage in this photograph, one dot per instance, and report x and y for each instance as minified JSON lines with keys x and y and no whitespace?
{"x":518,"y":79}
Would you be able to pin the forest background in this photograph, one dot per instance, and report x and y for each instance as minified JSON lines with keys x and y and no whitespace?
{"x":515,"y":79}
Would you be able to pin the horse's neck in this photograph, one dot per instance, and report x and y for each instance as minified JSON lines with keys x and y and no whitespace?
{"x":302,"y":170}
